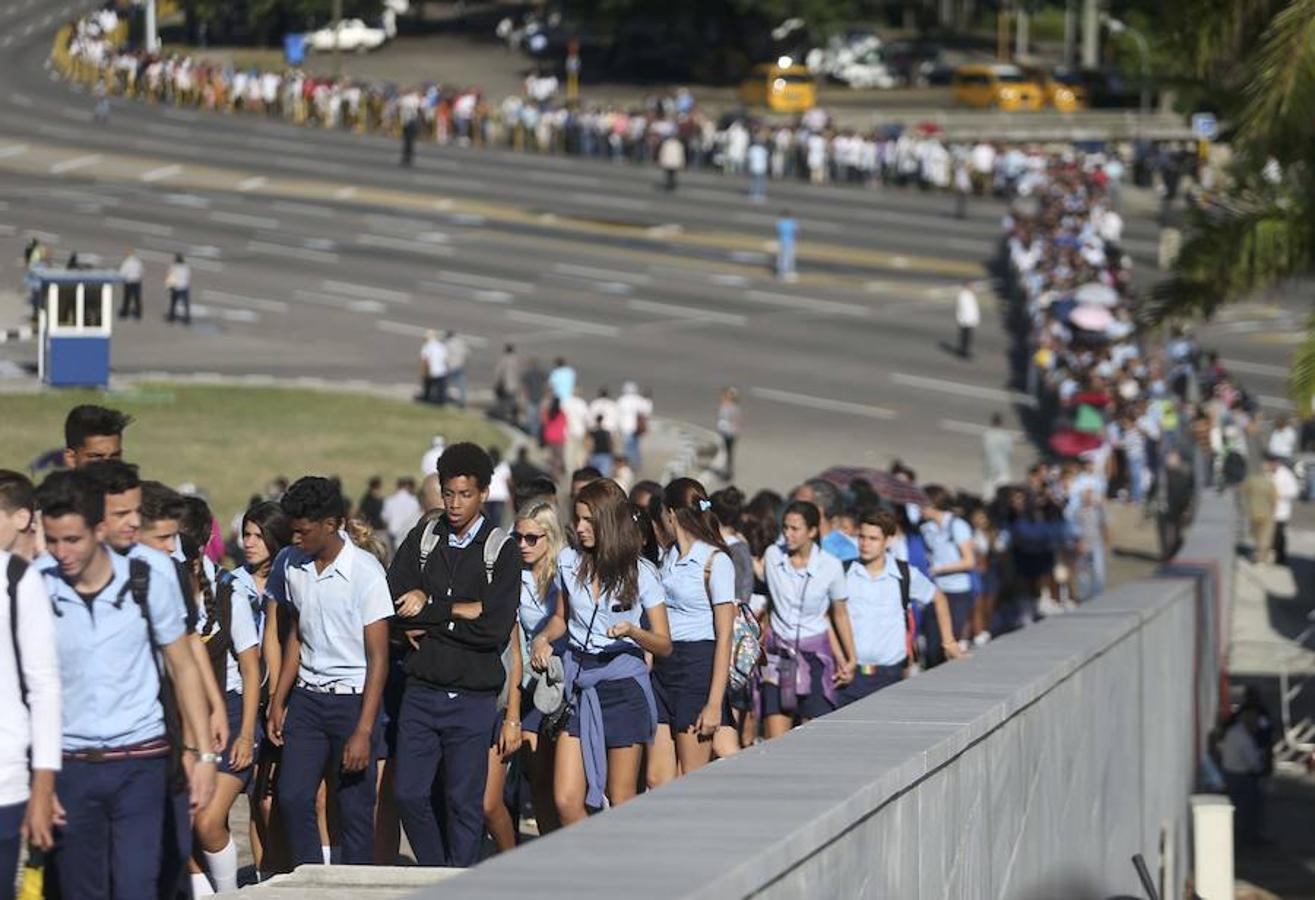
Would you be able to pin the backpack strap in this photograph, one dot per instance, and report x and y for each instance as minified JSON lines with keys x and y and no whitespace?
{"x":905,"y":583}
{"x":707,"y":574}
{"x":428,"y":541}
{"x":14,"y":572}
{"x":493,"y":544}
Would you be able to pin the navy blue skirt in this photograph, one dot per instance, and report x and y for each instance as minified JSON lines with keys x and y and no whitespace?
{"x":681,"y":683}
{"x":234,"y":702}
{"x":812,"y":705}
{"x":625,"y":708}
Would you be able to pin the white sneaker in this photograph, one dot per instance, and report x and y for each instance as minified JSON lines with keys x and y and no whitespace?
{"x":982,"y":638}
{"x":1047,"y":607}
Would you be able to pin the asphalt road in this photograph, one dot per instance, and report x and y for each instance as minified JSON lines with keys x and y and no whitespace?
{"x":314,"y":254}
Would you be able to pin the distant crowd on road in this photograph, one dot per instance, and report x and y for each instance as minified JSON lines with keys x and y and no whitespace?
{"x":671,"y":132}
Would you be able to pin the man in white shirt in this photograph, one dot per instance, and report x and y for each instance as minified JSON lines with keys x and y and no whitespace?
{"x":1288,"y":489}
{"x":577,"y":428}
{"x":434,"y":369}
{"x":179,"y":282}
{"x":633,"y":410}
{"x":401,"y":510}
{"x":30,"y":688}
{"x":132,"y":271}
{"x":457,"y":355}
{"x":603,"y":405}
{"x":967,"y":315}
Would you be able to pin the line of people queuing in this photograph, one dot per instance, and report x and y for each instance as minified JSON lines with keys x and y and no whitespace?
{"x":671,"y":131}
{"x":606,"y":644}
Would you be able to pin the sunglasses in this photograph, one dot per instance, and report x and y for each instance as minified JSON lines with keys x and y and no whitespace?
{"x":530,"y":540}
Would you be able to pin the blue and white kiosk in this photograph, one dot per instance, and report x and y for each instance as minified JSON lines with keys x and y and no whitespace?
{"x":74,"y":326}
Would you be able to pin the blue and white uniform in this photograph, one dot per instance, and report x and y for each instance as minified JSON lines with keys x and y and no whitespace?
{"x":876,"y":612}
{"x":694,"y":584}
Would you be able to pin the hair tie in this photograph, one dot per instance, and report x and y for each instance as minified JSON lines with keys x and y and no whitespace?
{"x":704,"y":505}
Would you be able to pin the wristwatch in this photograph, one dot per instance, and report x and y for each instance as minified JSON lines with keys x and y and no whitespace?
{"x":208,"y":757}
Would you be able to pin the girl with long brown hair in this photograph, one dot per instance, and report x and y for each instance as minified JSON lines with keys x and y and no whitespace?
{"x":607,"y":590}
{"x":698,"y":577}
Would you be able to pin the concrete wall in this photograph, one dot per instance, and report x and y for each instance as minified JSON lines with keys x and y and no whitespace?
{"x":1034,"y":770}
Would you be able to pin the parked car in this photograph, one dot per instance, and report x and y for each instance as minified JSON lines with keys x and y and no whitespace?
{"x":854,"y":59}
{"x":785,"y":89}
{"x":347,"y":34}
{"x":1062,"y":88}
{"x":996,"y":86}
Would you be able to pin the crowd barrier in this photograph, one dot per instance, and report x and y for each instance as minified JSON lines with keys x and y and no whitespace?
{"x":1036,"y":769}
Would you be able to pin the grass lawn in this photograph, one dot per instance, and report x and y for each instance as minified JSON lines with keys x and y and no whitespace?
{"x":232,"y":441}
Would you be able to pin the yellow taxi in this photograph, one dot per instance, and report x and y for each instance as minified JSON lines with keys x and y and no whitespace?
{"x":1062,"y":88}
{"x":781,"y":87}
{"x":996,"y":86}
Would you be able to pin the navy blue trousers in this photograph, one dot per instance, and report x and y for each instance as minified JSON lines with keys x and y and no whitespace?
{"x":316,"y":730}
{"x":11,"y":826}
{"x":111,"y":845}
{"x":455,"y":729}
{"x":864,"y":685}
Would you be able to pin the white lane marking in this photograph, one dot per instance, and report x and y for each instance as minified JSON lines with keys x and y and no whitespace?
{"x":960,"y":389}
{"x":349,"y":289}
{"x":1250,"y":368}
{"x":403,"y":245}
{"x":265,"y":223}
{"x":576,"y":326}
{"x":304,"y":209}
{"x":169,"y":131}
{"x":399,"y":225}
{"x":59,"y":131}
{"x":161,"y":173}
{"x":976,"y":429}
{"x":135,"y":225}
{"x":661,"y":232}
{"x":604,"y":274}
{"x":480,"y":295}
{"x":823,"y":403}
{"x":613,"y":202}
{"x":283,"y":250}
{"x":77,"y":162}
{"x":252,"y":184}
{"x":167,"y":257}
{"x":12,"y":150}
{"x":686,"y":312}
{"x":77,"y":115}
{"x":260,"y":303}
{"x":360,"y":306}
{"x":344,"y":193}
{"x":559,"y":179}
{"x":209,"y":251}
{"x":21,"y":100}
{"x":201,"y":311}
{"x":483,"y":281}
{"x":189,"y":200}
{"x":812,"y":304}
{"x":474,"y":340}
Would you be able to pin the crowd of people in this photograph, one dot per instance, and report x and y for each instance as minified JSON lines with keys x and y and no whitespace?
{"x":672,"y":131}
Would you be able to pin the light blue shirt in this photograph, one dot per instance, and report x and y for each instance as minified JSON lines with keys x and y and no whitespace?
{"x":108,"y":675}
{"x":943,"y":549}
{"x":801,"y":598}
{"x":247,"y":583}
{"x":241,"y":628}
{"x":689,"y":599}
{"x":840,"y":545}
{"x":534,"y":613}
{"x":333,"y":607}
{"x":461,"y":542}
{"x":587,"y":624}
{"x":561,"y":381}
{"x":876,"y":611}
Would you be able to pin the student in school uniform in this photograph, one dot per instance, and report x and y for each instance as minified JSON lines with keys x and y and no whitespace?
{"x":325,"y":707}
{"x":111,"y":615}
{"x":874,"y":586}
{"x":540,"y":538}
{"x":457,"y":608}
{"x":122,"y":498}
{"x":18,"y":516}
{"x":93,"y":433}
{"x":29,"y":716}
{"x":227,"y":627}
{"x":950,"y":552}
{"x":698,"y":577}
{"x":608,"y":591}
{"x":810,"y":645}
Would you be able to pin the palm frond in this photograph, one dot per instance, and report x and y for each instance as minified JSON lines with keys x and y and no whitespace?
{"x":1281,"y":77}
{"x":1301,"y":375}
{"x":1247,"y":242}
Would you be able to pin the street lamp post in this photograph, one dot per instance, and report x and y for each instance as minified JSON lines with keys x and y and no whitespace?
{"x":1119,"y":27}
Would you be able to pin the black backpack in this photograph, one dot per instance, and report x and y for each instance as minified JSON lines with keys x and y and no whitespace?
{"x":14,"y":572}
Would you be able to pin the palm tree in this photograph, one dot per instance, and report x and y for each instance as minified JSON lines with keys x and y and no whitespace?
{"x":1259,"y":58}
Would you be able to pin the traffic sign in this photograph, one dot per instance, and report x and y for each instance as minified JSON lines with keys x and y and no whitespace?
{"x":1205,"y":126}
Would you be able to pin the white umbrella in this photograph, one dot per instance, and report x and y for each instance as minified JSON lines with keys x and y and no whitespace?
{"x":1097,"y":294}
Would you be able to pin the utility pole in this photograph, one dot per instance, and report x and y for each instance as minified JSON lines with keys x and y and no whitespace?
{"x":1070,"y":32}
{"x":336,"y":25}
{"x":1021,"y":31}
{"x":1090,"y":34}
{"x":152,"y":34}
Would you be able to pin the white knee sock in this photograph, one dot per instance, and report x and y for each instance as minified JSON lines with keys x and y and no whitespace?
{"x":223,"y":867}
{"x":327,"y":853}
{"x":201,"y":885}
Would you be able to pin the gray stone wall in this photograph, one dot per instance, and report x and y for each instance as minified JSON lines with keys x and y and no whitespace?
{"x":1034,"y":770}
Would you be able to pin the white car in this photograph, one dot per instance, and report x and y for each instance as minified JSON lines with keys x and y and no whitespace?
{"x":350,"y":35}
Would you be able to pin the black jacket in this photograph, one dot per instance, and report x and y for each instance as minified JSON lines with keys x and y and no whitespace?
{"x":457,"y":654}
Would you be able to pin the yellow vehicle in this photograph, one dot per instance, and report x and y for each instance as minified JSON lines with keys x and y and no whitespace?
{"x":780,"y":88}
{"x":1062,"y":88}
{"x":996,"y":86}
